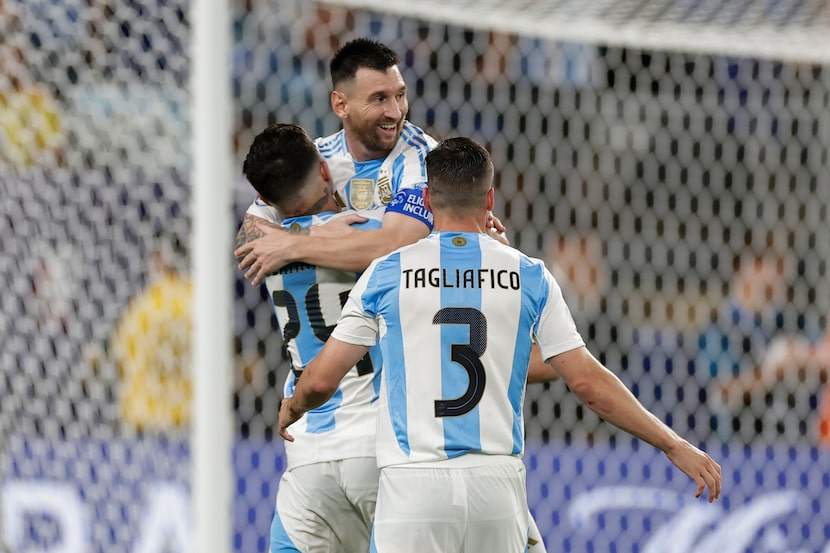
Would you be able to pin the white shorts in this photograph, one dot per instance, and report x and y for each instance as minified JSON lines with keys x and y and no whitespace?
{"x":326,"y":507}
{"x":535,"y":544}
{"x":479,"y":509}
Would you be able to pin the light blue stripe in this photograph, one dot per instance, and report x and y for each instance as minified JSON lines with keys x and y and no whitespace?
{"x":377,"y":363}
{"x":397,"y":172}
{"x":531,"y":308}
{"x":280,"y":541}
{"x":372,"y":547}
{"x":298,"y":284}
{"x":461,"y":434}
{"x":384,"y":285}
{"x":322,"y":419}
{"x":332,"y":145}
{"x":414,"y":136}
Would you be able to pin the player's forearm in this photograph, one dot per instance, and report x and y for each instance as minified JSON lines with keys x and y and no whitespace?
{"x":306,"y":398}
{"x":601,"y":391}
{"x":321,"y":378}
{"x":294,"y":407}
{"x":609,"y":398}
{"x":353,"y":252}
{"x":311,"y":391}
{"x":251,"y":229}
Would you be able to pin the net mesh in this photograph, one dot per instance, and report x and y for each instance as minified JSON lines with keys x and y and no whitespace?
{"x":667,"y":160}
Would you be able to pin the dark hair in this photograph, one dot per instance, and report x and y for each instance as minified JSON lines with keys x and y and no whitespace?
{"x":459,"y":172}
{"x":279,"y":162}
{"x":357,"y":53}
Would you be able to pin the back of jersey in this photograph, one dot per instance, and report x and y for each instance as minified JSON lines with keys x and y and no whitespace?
{"x":307,"y":301}
{"x":458,"y":314}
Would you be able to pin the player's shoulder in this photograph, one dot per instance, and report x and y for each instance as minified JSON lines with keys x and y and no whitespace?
{"x":524,"y":260}
{"x":527,"y":261}
{"x":374,"y":217}
{"x":415,"y":137}
{"x":261,"y":209}
{"x":332,"y":145}
{"x":305,"y":221}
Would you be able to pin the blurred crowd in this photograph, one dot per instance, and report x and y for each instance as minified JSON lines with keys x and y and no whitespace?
{"x":93,"y":111}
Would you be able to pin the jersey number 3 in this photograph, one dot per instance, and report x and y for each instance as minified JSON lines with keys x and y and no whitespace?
{"x":468,"y":356}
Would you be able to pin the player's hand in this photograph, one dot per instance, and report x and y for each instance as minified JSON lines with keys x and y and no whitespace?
{"x":698,"y":466}
{"x":339,"y":226}
{"x":263,"y":256}
{"x":288,"y":416}
{"x":496,"y":229}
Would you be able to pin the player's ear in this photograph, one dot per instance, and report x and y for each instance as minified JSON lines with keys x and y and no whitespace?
{"x":491,"y":199}
{"x":325,"y":173}
{"x":338,"y":103}
{"x":425,"y":193}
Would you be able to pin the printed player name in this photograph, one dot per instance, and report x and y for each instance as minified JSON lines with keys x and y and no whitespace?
{"x":461,"y":278}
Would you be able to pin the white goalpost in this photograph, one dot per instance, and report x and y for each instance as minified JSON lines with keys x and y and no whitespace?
{"x":212,"y":434}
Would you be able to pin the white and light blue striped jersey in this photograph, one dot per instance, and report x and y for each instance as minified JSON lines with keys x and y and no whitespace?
{"x":373,"y":184}
{"x":307,"y":301}
{"x":455,"y":314}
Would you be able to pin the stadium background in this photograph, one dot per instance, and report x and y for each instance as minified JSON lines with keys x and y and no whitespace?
{"x":662,"y":140}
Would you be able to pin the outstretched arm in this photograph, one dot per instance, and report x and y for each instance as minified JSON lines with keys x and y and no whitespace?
{"x":351,"y":252}
{"x":608,"y":397}
{"x":319,"y":381}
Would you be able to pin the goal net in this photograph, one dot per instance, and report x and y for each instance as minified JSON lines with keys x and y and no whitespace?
{"x":668,"y":161}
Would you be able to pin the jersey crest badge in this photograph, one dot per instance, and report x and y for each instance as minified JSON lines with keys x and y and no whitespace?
{"x":384,"y":186}
{"x":361,"y":193}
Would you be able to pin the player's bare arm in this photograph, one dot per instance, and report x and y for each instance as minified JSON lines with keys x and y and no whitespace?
{"x":319,"y":381}
{"x":539,"y":371}
{"x":253,"y":227}
{"x":352,"y":252}
{"x":608,"y":397}
{"x":338,"y":226}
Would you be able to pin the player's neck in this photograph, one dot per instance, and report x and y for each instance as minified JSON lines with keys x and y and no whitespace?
{"x":361,"y":153}
{"x":449,"y":222}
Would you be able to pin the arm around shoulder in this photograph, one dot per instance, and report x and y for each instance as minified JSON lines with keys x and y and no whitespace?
{"x":357,"y":250}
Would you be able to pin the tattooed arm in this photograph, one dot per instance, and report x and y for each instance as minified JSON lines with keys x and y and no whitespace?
{"x":254,"y":227}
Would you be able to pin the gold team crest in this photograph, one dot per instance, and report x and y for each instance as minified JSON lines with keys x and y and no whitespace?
{"x":361,"y":193}
{"x":384,"y":186}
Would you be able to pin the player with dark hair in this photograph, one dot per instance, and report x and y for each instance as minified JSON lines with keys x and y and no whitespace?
{"x":456,"y":315}
{"x":327,"y":493}
{"x":280,"y":162}
{"x":376,"y":161}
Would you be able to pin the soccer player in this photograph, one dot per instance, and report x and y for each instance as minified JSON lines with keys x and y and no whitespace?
{"x":455,"y":315}
{"x":327,"y":493}
{"x":376,"y":160}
